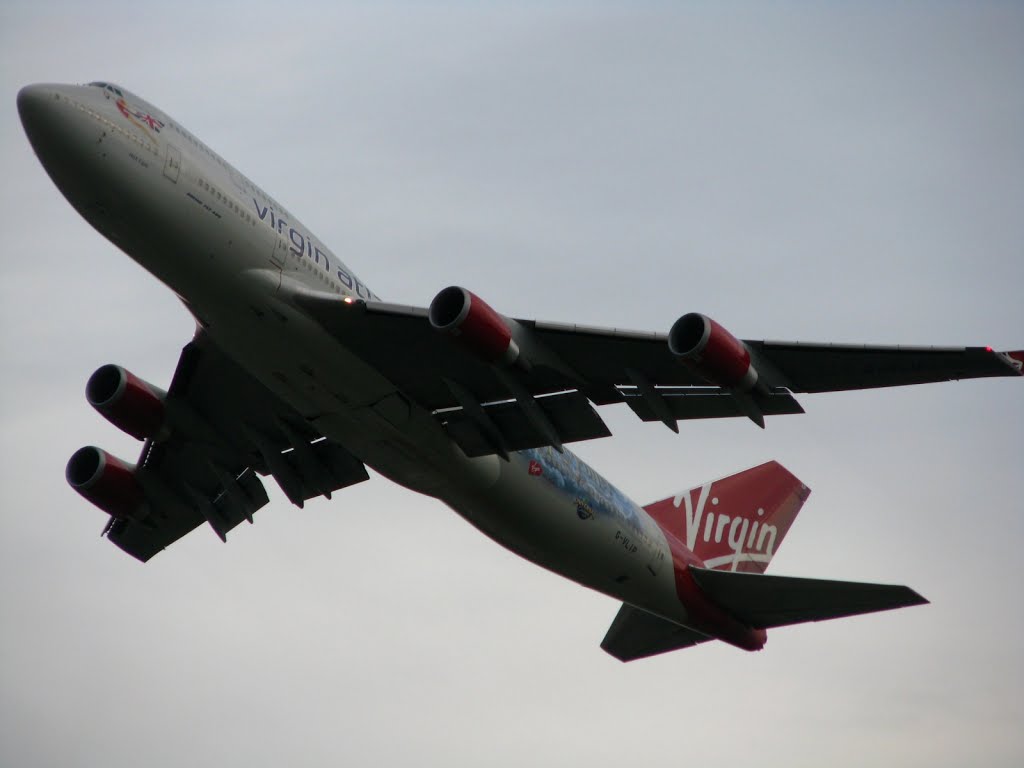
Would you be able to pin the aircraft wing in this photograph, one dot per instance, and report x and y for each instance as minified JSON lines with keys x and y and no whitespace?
{"x":806,"y":367}
{"x":485,"y":405}
{"x":222,"y":430}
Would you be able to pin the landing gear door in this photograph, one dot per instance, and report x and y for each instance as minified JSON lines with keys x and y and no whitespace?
{"x":172,"y":165}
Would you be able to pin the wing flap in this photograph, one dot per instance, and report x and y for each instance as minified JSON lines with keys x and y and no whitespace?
{"x":172,"y":516}
{"x":328,"y":468}
{"x":637,"y":634}
{"x":709,"y":403}
{"x":569,"y":413}
{"x":762,"y":602}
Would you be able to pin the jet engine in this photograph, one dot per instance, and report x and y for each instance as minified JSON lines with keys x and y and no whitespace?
{"x":126,"y":401}
{"x":106,"y":481}
{"x":712,"y":351}
{"x":475,"y":324}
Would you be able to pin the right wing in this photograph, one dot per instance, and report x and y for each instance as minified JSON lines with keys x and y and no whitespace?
{"x":223,"y":429}
{"x":533,"y":388}
{"x":807,"y":367}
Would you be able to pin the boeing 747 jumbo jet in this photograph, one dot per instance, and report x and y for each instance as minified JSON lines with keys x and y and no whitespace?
{"x":298,"y":371}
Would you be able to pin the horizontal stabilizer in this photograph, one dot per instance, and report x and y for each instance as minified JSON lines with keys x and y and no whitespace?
{"x":636,"y":634}
{"x":763,"y":602}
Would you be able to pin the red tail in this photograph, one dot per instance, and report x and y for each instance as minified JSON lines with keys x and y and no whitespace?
{"x":736,"y":523}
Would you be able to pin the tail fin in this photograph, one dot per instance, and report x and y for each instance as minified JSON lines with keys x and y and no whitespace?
{"x":736,"y":523}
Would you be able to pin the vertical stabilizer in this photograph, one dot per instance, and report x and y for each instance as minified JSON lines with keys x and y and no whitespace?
{"x":736,"y":523}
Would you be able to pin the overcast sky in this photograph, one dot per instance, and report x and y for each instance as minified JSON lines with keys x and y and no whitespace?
{"x":848,"y":172}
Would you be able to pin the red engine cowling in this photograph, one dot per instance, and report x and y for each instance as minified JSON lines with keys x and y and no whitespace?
{"x":475,"y":324}
{"x":713,"y":352}
{"x":107,"y":482}
{"x":126,"y":401}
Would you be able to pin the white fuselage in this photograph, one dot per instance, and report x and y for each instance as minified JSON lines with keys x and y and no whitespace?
{"x":235,"y":257}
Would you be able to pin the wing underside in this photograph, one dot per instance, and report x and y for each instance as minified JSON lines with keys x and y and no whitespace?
{"x":488,"y":407}
{"x":225,"y":431}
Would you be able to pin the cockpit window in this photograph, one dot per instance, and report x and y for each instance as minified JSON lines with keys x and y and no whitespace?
{"x":107,"y":86}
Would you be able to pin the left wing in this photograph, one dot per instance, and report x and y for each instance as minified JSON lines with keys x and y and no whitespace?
{"x":501,"y":384}
{"x":209,"y":438}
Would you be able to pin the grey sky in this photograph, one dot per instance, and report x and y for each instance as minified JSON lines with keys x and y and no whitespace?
{"x":811,"y":171}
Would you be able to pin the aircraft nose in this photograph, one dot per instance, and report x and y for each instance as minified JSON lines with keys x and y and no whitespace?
{"x":59,"y":134}
{"x":33,"y":103}
{"x":38,"y":108}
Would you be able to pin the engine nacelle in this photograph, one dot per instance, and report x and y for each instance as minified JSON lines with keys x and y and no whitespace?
{"x":107,"y":482}
{"x":713,"y":352}
{"x":475,"y":324}
{"x":126,"y":401}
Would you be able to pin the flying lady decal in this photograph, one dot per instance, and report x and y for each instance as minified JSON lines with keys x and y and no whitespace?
{"x":140,"y":119}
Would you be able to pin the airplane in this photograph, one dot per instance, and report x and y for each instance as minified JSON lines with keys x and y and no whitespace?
{"x":300,"y":372}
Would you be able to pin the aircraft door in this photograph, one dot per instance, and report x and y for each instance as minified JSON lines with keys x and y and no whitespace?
{"x":277,"y":258}
{"x":172,"y":165}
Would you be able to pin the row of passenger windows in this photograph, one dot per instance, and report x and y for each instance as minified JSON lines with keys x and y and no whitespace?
{"x":198,"y":144}
{"x":228,"y":202}
{"x":304,"y":261}
{"x":239,"y":179}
